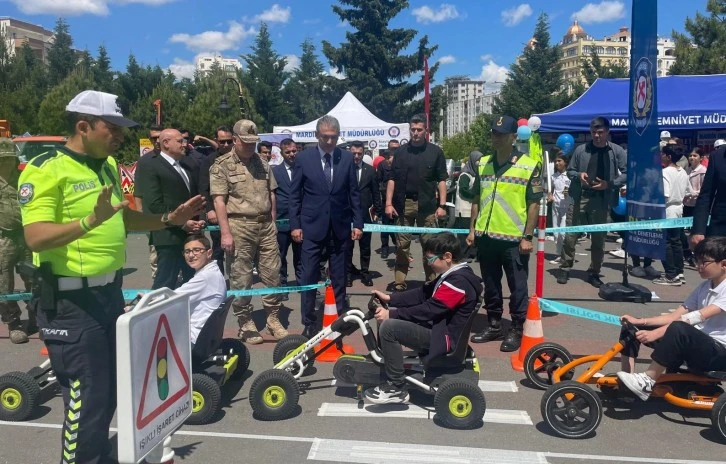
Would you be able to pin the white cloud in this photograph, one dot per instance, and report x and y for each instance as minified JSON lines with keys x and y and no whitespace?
{"x":426,"y":14}
{"x":276,"y":14}
{"x":343,"y":23}
{"x":336,"y":73}
{"x":602,"y":12}
{"x":215,"y":41}
{"x":487,"y":57}
{"x":182,"y":68}
{"x":76,"y":7}
{"x":494,"y":75}
{"x":514,"y":16}
{"x":293,"y":62}
{"x":448,"y":59}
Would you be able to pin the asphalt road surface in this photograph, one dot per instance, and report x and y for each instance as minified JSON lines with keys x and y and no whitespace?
{"x":331,"y":428}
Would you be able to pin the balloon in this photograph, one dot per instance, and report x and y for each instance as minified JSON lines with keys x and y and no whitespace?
{"x":566,"y":143}
{"x":524,"y":133}
{"x":622,"y":207}
{"x":521,"y":122}
{"x":534,"y":123}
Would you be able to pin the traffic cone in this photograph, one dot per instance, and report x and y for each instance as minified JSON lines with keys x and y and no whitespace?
{"x":532,"y":334}
{"x":44,"y":351}
{"x":330,"y":314}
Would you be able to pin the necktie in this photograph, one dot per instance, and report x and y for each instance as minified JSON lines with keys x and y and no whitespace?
{"x":357,"y":172}
{"x":328,"y":169}
{"x":183,"y":174}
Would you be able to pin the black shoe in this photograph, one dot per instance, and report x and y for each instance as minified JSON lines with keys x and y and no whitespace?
{"x":284,"y":297}
{"x":349,"y":281}
{"x":512,"y":341}
{"x":562,"y":276}
{"x":309,"y":332}
{"x":366,"y":280}
{"x":384,"y":252}
{"x":594,"y":280}
{"x":354,"y":270}
{"x":490,"y":334}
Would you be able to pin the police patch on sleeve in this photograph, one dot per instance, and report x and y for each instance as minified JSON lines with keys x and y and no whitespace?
{"x":25,"y":193}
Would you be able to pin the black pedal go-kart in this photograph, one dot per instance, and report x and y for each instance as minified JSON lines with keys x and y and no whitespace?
{"x":452,"y":379}
{"x":215,"y":361}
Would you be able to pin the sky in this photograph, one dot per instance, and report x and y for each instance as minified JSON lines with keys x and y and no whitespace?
{"x":476,"y":38}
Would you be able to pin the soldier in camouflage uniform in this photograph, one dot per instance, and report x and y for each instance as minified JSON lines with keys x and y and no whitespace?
{"x":243,"y":190}
{"x":12,"y":243}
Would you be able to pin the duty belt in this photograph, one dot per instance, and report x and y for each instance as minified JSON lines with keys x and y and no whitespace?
{"x":66,"y":284}
{"x":259,"y":218}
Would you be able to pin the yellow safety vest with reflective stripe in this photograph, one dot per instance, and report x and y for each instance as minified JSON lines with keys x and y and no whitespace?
{"x":503,"y":200}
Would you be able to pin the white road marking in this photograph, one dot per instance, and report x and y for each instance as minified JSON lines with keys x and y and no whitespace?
{"x":319,"y":446}
{"x":370,"y":452}
{"x":410,"y":411}
{"x":485,"y":385}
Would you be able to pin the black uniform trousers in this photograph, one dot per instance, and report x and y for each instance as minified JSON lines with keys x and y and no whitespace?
{"x":365,"y":253}
{"x":496,"y":256}
{"x":81,"y":339}
{"x":284,"y":242}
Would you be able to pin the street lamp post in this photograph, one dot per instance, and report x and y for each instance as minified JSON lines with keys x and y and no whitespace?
{"x":224,"y":106}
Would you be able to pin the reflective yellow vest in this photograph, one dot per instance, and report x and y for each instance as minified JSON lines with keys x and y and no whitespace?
{"x":503,"y":200}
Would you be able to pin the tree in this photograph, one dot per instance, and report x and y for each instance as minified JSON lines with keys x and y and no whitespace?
{"x":52,"y":114}
{"x":264,"y":78}
{"x":308,"y":91}
{"x":532,"y":85}
{"x":61,"y":56}
{"x":702,"y":49}
{"x":593,"y":68}
{"x":477,"y":137}
{"x":23,"y":84}
{"x":102,"y":73}
{"x":372,"y":58}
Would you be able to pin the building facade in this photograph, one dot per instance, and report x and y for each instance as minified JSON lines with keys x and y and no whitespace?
{"x":576,"y":44}
{"x":466,"y":100}
{"x":17,"y":33}
{"x":229,"y":65}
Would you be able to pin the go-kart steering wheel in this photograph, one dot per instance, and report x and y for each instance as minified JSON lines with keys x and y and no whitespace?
{"x":374,"y":303}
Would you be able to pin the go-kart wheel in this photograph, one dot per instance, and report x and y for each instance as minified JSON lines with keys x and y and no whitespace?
{"x":718,"y":415}
{"x":287,"y":345}
{"x":459,"y":404}
{"x":274,"y":395}
{"x":571,"y":409}
{"x":206,"y":399}
{"x":243,"y":356}
{"x":542,"y":360}
{"x":19,"y":396}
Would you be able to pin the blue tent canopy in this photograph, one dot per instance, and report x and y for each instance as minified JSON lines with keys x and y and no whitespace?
{"x":684,"y":103}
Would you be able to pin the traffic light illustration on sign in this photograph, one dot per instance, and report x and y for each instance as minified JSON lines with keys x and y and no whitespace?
{"x":162,"y":373}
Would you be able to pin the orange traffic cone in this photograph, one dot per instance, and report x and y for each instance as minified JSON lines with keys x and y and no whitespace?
{"x":532,"y":335}
{"x":330,"y":314}
{"x":44,"y":351}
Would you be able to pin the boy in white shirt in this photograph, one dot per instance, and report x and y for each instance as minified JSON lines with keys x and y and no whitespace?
{"x":560,"y":199}
{"x":695,"y":333}
{"x":207,"y":289}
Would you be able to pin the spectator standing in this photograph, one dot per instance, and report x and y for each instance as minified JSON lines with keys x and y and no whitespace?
{"x":415,"y":194}
{"x":696,"y":172}
{"x":561,"y":200}
{"x":383,"y":172}
{"x":597,"y":170}
{"x":507,"y":190}
{"x":711,"y":200}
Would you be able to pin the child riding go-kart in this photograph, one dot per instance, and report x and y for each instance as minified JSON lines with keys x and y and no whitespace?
{"x":434,"y":320}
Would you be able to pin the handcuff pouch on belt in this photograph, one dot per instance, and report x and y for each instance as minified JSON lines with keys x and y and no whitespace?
{"x":44,"y":284}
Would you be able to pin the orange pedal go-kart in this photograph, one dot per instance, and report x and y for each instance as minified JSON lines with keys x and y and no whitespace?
{"x":572,"y":408}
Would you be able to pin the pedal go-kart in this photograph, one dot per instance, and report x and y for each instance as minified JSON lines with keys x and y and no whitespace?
{"x":215,"y":361}
{"x":572,"y":408}
{"x":452,"y":379}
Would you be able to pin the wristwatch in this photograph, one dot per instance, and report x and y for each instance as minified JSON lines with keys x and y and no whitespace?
{"x":442,"y":206}
{"x":528,"y":237}
{"x":165,"y":220}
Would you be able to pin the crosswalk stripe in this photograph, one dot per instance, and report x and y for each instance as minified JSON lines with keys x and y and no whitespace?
{"x":368,"y":452}
{"x":410,"y":411}
{"x":485,"y":385}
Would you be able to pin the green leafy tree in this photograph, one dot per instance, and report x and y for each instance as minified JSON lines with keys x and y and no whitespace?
{"x":102,"y":73}
{"x":593,"y":68}
{"x":308,"y":93}
{"x":22,"y":87}
{"x":264,"y":77}
{"x":532,"y":86}
{"x":62,"y":58}
{"x":373,"y":58}
{"x":85,"y":61}
{"x":52,"y":114}
{"x":477,"y":137}
{"x":702,"y":49}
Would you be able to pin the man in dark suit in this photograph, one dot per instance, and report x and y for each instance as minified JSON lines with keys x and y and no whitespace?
{"x":223,"y":139}
{"x":711,"y":200}
{"x":370,"y":204}
{"x":283,"y":176}
{"x":164,"y":181}
{"x":324,"y":201}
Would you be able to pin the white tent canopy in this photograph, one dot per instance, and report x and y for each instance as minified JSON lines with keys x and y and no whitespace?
{"x":356,"y":123}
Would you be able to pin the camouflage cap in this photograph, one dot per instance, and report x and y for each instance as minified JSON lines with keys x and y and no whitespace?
{"x":7,"y":147}
{"x":246,"y":130}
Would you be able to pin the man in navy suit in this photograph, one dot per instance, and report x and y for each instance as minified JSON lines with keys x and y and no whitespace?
{"x":324,"y":202}
{"x":283,"y":176}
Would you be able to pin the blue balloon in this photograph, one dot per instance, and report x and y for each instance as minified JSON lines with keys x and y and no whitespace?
{"x":621,"y":208}
{"x":524,"y":133}
{"x":566,"y":143}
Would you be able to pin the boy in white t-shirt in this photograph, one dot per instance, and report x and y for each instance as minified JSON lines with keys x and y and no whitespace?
{"x":560,"y":199}
{"x":695,"y":333}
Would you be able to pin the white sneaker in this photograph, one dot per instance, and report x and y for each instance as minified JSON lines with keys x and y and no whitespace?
{"x":620,"y":240}
{"x":557,"y":260}
{"x":620,"y":253}
{"x":682,"y":278}
{"x":386,"y":393}
{"x":641,"y":384}
{"x":550,"y":238}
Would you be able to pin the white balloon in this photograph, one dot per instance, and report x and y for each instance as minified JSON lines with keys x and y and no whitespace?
{"x":534,"y":123}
